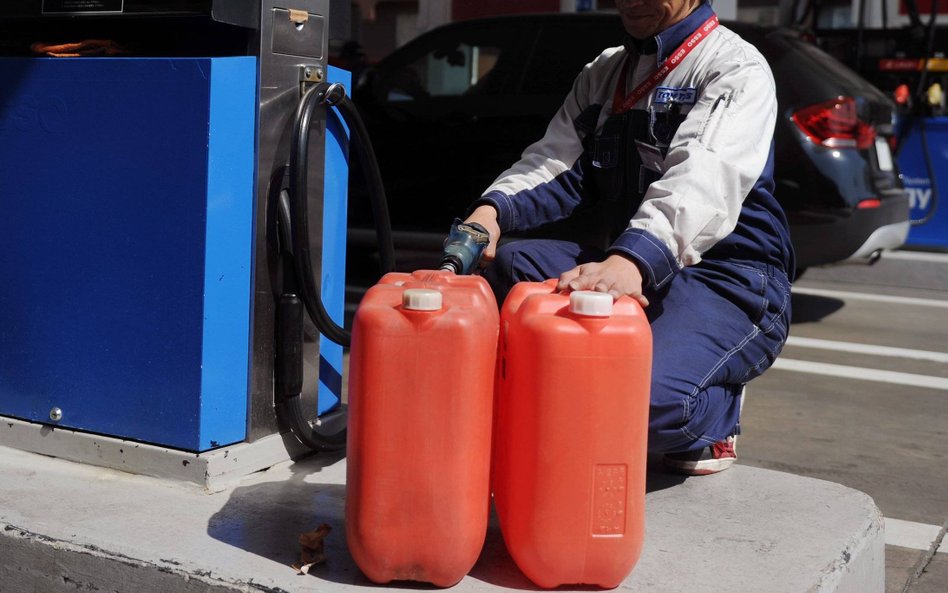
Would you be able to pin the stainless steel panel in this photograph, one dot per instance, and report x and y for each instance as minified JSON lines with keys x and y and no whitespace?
{"x":297,"y":37}
{"x":279,"y":95}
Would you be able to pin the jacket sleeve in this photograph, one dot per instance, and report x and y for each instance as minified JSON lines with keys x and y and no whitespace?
{"x":713,"y":162}
{"x":545,"y":185}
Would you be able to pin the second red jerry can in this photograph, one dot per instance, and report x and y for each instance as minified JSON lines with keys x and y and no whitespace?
{"x":421,"y":378}
{"x":571,"y":435}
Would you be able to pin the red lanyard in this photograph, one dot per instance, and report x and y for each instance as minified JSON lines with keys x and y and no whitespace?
{"x":620,"y":105}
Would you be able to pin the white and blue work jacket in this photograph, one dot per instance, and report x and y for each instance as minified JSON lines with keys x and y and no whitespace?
{"x":685,"y":175}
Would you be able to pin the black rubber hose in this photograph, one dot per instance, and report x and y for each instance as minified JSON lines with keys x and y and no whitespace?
{"x":312,"y":298}
{"x":288,"y":402}
{"x":291,"y":412}
{"x":860,"y":29}
{"x":917,"y":115}
{"x":929,"y":52}
{"x":913,"y":13}
{"x":794,"y":10}
{"x":377,"y":199}
{"x":798,"y":18}
{"x":926,"y":155}
{"x":294,"y":220}
{"x":299,"y":219}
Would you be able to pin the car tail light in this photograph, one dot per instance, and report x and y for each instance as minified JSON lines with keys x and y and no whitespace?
{"x":869,"y":203}
{"x":834,"y":124}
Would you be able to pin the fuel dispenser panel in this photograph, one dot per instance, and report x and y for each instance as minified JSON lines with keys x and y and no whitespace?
{"x":923,"y":163}
{"x":147,"y":212}
{"x":126,"y":231}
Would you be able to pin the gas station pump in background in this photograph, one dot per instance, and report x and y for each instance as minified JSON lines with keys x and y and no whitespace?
{"x":923,"y":144}
{"x":923,"y":160}
{"x":908,"y":63}
{"x":173,"y":228}
{"x":922,"y":149}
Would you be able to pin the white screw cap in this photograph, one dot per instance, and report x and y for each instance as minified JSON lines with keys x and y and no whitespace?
{"x":590,"y":303}
{"x":421,"y":299}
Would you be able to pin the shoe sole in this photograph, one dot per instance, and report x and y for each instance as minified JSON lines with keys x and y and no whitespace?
{"x":699,"y":468}
{"x":702,"y":467}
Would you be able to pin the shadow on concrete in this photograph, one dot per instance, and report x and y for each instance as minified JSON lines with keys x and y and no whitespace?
{"x":657,"y":480}
{"x":496,"y":567}
{"x":266,"y":518}
{"x":808,"y":308}
{"x":657,"y":477}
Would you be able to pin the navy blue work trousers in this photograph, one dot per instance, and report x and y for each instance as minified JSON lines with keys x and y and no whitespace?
{"x":715,"y":326}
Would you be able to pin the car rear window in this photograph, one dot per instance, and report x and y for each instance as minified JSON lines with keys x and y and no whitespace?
{"x":820,"y":60}
{"x":808,"y":73}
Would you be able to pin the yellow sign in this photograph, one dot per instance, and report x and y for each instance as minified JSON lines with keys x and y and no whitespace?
{"x":937,"y":64}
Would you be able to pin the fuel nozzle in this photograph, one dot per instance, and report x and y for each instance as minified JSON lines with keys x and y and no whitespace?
{"x":464,"y":247}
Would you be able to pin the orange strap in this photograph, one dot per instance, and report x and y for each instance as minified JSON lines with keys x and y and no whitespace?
{"x":87,"y":47}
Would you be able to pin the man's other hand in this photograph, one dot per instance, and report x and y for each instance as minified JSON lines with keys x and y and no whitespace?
{"x":616,"y":275}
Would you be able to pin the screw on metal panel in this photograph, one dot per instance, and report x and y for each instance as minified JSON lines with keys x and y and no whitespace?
{"x":56,"y":414}
{"x":312,"y":74}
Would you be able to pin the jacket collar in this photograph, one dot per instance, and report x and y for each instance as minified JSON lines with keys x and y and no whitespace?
{"x":666,"y":41}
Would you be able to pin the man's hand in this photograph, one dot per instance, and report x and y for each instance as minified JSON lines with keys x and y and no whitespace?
{"x":617,"y":275}
{"x":486,"y":216}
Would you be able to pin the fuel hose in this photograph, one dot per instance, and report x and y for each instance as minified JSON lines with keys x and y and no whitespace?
{"x":329,"y":433}
{"x":330,"y":95}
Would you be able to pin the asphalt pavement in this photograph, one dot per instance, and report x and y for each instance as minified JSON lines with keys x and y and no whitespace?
{"x":860,"y":397}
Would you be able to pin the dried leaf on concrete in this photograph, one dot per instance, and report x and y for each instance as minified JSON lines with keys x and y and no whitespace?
{"x":311,"y":549}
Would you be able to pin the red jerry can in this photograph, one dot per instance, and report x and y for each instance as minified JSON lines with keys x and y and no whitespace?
{"x":421,"y":380}
{"x":571,"y":434}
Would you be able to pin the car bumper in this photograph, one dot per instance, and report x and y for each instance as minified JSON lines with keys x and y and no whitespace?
{"x":851,"y":235}
{"x":890,"y":236}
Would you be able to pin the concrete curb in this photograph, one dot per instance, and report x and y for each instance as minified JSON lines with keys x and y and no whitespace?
{"x":67,"y":527}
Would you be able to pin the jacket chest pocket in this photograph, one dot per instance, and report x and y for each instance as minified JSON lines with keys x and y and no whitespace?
{"x":663,"y":125}
{"x":607,"y":153}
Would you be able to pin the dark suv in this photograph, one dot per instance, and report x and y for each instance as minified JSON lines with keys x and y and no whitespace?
{"x":452,"y":109}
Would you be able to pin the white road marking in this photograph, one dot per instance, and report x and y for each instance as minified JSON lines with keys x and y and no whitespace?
{"x":868,"y":349}
{"x":879,"y":298}
{"x":909,"y":534}
{"x":861,"y":373}
{"x":941,"y":258}
{"x":906,"y":534}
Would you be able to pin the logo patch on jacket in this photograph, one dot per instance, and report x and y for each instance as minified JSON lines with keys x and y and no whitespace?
{"x":668,"y":94}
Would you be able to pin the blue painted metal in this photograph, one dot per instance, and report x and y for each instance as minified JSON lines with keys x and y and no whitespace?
{"x":126,"y":207}
{"x":923,"y":162}
{"x":334,"y":248}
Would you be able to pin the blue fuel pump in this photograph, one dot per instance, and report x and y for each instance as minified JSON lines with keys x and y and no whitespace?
{"x":923,"y":163}
{"x":174,"y":221}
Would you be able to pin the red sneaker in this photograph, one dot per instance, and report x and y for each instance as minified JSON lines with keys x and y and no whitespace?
{"x":701,"y":462}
